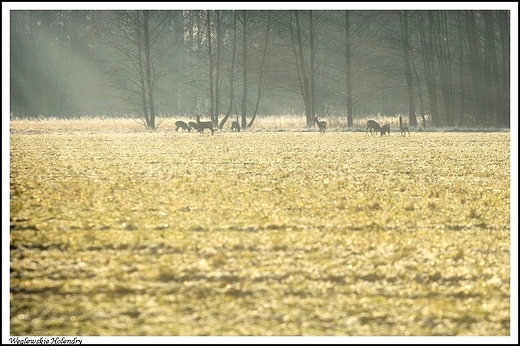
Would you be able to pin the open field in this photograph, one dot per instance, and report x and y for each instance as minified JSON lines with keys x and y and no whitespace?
{"x":283,"y":123}
{"x":116,"y":232}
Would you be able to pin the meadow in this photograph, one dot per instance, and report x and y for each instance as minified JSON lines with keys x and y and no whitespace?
{"x":115,"y":230}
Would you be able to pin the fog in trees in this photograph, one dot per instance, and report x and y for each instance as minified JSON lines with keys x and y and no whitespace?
{"x":435,"y":67}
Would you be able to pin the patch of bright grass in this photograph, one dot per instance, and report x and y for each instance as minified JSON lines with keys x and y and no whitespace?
{"x":259,"y":233}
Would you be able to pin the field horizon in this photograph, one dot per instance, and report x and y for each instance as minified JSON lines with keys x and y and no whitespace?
{"x":277,"y":230}
{"x":283,"y":123}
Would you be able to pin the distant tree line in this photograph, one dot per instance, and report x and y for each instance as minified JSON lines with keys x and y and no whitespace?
{"x":441,"y":68}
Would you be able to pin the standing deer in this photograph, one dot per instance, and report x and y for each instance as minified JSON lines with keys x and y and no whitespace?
{"x":193,"y":126}
{"x":403,"y":127}
{"x":204,"y":125}
{"x":322,"y":125}
{"x":182,"y":125}
{"x":373,"y":125}
{"x":235,"y":126}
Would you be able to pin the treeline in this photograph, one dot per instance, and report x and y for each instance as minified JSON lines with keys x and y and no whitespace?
{"x":439,"y":68}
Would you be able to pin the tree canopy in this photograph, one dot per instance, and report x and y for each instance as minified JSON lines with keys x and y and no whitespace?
{"x":448,"y":67}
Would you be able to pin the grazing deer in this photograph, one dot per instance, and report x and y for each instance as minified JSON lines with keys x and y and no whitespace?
{"x":182,"y":125}
{"x":373,"y":125}
{"x":403,"y":127}
{"x":193,"y":126}
{"x":204,"y":125}
{"x":235,"y":126}
{"x":322,"y":125}
{"x":385,"y":129}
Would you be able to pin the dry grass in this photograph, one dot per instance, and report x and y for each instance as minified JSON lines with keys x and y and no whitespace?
{"x":276,"y":123}
{"x":117,"y":232}
{"x":97,"y":124}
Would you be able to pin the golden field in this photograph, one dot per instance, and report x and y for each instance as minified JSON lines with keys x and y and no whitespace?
{"x":115,"y":230}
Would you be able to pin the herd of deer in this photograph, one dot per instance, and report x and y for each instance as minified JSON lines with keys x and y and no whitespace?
{"x":201,"y":125}
{"x":372,"y":125}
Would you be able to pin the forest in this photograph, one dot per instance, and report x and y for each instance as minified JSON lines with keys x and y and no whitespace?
{"x":438,"y":68}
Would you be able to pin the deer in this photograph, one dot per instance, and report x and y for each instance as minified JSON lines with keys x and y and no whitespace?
{"x":403,"y":127}
{"x":235,"y":126}
{"x":193,"y":126}
{"x":385,"y":129}
{"x":322,"y":125}
{"x":373,"y":125}
{"x":182,"y":125}
{"x":204,"y":125}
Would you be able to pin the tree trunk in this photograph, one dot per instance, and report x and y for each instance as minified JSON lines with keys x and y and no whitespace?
{"x":407,"y":67}
{"x":231,"y":73}
{"x":441,"y":42}
{"x":149,"y":84}
{"x":348,"y":69}
{"x":428,"y":71}
{"x":475,"y":68}
{"x":312,"y":86}
{"x":490,"y":68}
{"x":211,"y":67}
{"x":244,"y":70}
{"x":461,"y":49}
{"x":217,"y":70}
{"x":504,"y":89}
{"x":142,"y":73}
{"x":301,"y":70}
{"x":421,"y":102}
{"x":264,"y":55}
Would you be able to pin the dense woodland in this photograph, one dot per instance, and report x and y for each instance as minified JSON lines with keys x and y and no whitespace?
{"x":437,"y":67}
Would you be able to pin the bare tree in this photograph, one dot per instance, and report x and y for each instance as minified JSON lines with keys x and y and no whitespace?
{"x":261,"y":68}
{"x":403,"y":19}
{"x":442,"y":41}
{"x":255,"y":44}
{"x":504,"y":116}
{"x":461,"y":68}
{"x":231,"y":74}
{"x":429,"y":69}
{"x":305,"y":63}
{"x":475,"y":65}
{"x":136,"y":38}
{"x":244,"y":19}
{"x":214,"y":37}
{"x":348,"y":70}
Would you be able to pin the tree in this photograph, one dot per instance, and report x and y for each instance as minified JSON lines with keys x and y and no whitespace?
{"x":348,"y":70}
{"x":255,"y":42}
{"x":504,"y":88}
{"x":475,"y":66}
{"x":429,"y":69}
{"x":244,"y":19}
{"x":231,"y":73}
{"x":305,"y":56}
{"x":261,"y":68}
{"x":461,"y":68}
{"x":403,"y":19}
{"x":444,"y":66}
{"x":214,"y":37}
{"x":137,"y":65}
